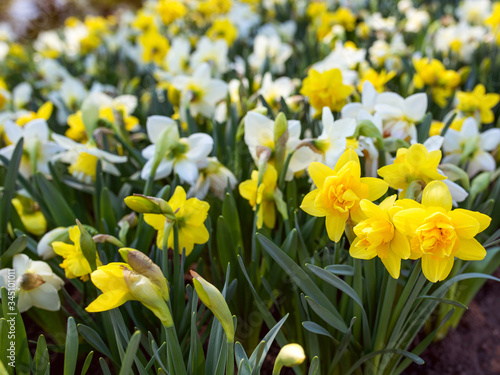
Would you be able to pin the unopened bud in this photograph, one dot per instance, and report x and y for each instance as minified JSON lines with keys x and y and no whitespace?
{"x":290,"y":355}
{"x":142,"y":204}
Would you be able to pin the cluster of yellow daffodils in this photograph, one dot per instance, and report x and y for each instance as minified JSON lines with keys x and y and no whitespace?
{"x":326,"y":89}
{"x":478,"y":102}
{"x":433,"y":74}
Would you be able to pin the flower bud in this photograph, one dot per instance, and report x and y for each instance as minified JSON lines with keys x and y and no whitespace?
{"x":44,"y":247}
{"x":143,"y":290}
{"x":290,"y":355}
{"x":214,"y":300}
{"x":142,"y":264}
{"x":142,"y":204}
{"x":480,"y":183}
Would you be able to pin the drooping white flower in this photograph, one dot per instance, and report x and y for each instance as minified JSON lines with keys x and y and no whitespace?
{"x":200,"y":93}
{"x":35,"y":282}
{"x":468,"y":145}
{"x":400,"y":115}
{"x":38,"y":150}
{"x":259,"y":133}
{"x":214,"y":177}
{"x":83,"y":159}
{"x":368,"y":100}
{"x":184,"y":156}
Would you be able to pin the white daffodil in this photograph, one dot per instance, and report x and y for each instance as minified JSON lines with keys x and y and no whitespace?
{"x":368,"y":100}
{"x":216,"y":178}
{"x":400,"y":115}
{"x":184,"y":156}
{"x":38,"y":150}
{"x":333,"y":140}
{"x":211,"y":52}
{"x":178,"y":56}
{"x":272,"y":49}
{"x":35,"y":282}
{"x":21,"y":95}
{"x":273,"y":91}
{"x":200,"y":93}
{"x":468,"y":145}
{"x":83,"y":158}
{"x":259,"y":134}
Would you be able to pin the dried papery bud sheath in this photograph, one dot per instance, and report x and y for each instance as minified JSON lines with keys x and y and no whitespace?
{"x":88,"y":247}
{"x":31,"y":281}
{"x":145,"y":291}
{"x":213,"y":299}
{"x":290,"y":355}
{"x":142,"y":264}
{"x":102,"y":238}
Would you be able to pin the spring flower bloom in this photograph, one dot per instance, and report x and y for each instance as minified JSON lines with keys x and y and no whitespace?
{"x":154,"y":47}
{"x":339,"y":192}
{"x":262,"y":195}
{"x":200,"y":93}
{"x":120,"y":283}
{"x":74,"y":264}
{"x":412,"y":164}
{"x":378,"y":80}
{"x":44,"y":247}
{"x":35,"y":282}
{"x":216,"y":178}
{"x":30,"y":215}
{"x":478,"y":102}
{"x":83,"y":158}
{"x":184,"y":156}
{"x":377,"y":236}
{"x":438,"y":233}
{"x":44,"y":113}
{"x":326,"y":90}
{"x":269,"y":48}
{"x":171,"y":10}
{"x":223,"y":29}
{"x":37,"y":149}
{"x":400,"y":115}
{"x":190,"y":216}
{"x":470,"y":145}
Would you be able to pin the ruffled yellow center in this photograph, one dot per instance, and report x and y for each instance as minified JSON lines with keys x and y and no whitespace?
{"x":436,"y":236}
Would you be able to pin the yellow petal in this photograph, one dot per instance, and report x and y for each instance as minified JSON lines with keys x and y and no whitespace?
{"x":400,"y":245}
{"x":63,"y":249}
{"x":178,"y":198}
{"x":270,"y":177}
{"x":470,"y":249}
{"x":335,"y":226}
{"x":377,"y":187}
{"x":388,"y":203}
{"x":110,"y":277}
{"x":109,"y":300}
{"x":407,"y":221}
{"x":466,"y":226}
{"x":392,"y":263}
{"x":248,"y":190}
{"x":347,"y":156}
{"x":309,"y":206}
{"x":157,"y":221}
{"x":436,"y":269}
{"x":371,"y":210}
{"x":437,"y":194}
{"x":45,"y":111}
{"x":195,"y":212}
{"x":319,"y":172}
{"x":484,"y":220}
{"x":359,"y":252}
{"x":269,"y":211}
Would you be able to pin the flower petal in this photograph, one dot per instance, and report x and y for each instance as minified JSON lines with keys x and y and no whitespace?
{"x":377,"y":187}
{"x":309,"y":206}
{"x":436,"y":269}
{"x":335,"y":226}
{"x":470,"y":249}
{"x":319,"y":172}
{"x":436,"y":194}
{"x":392,"y":263}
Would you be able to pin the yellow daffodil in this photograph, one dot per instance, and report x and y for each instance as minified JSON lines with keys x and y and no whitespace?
{"x":377,"y":236}
{"x":412,"y":164}
{"x":75,"y":264}
{"x":119,"y":283}
{"x":190,"y":216}
{"x":315,"y":9}
{"x":478,"y":101}
{"x":30,"y":214}
{"x":290,"y":355}
{"x":377,"y":79}
{"x":326,"y":90}
{"x":438,"y":233}
{"x":438,"y":126}
{"x":154,"y":47}
{"x":76,"y":130}
{"x":339,"y":192}
{"x":262,"y":195}
{"x":44,"y":112}
{"x":432,"y":73}
{"x":170,"y":10}
{"x":223,"y":29}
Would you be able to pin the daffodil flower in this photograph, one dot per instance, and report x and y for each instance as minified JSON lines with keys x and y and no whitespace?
{"x":262,"y":194}
{"x":184,"y":156}
{"x":38,"y":150}
{"x":200,"y":93}
{"x":190,"y":216}
{"x":119,"y":283}
{"x":216,"y":178}
{"x":470,"y":145}
{"x":412,"y":164}
{"x":74,"y":264}
{"x":30,"y":215}
{"x":377,"y":236}
{"x":35,"y":282}
{"x":478,"y":103}
{"x":83,"y":158}
{"x":339,"y":192}
{"x":438,"y":233}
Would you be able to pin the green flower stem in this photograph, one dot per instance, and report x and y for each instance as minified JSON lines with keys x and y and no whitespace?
{"x":175,"y":351}
{"x":230,"y":358}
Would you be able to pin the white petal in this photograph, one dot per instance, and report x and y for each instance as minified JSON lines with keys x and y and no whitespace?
{"x":187,"y":171}
{"x":45,"y":297}
{"x":469,"y":128}
{"x":37,"y":128}
{"x":40,"y":268}
{"x":24,"y":302}
{"x":301,"y":159}
{"x":343,"y":128}
{"x":156,"y":124}
{"x":200,"y":146}
{"x":294,"y":129}
{"x":434,"y":143}
{"x":351,"y":110}
{"x":458,"y":193}
{"x":416,"y":106}
{"x":481,"y":162}
{"x":21,"y":263}
{"x":391,"y":99}
{"x":369,"y":95}
{"x":13,"y":131}
{"x":490,"y":139}
{"x":149,"y":152}
{"x":386,"y":111}
{"x":452,"y":141}
{"x":215,"y":91}
{"x":327,"y":119}
{"x":65,"y":142}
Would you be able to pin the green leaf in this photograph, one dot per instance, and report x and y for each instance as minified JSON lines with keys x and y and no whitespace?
{"x":314,"y":368}
{"x":340,"y":269}
{"x":9,"y":190}
{"x":130,"y":353}
{"x":106,"y":209}
{"x":325,"y":314}
{"x":316,"y":328}
{"x":444,"y":300}
{"x":41,"y":346}
{"x":71,"y":350}
{"x":93,"y":338}
{"x":424,"y":128}
{"x":301,"y":279}
{"x":16,"y":247}
{"x":57,"y":205}
{"x":104,"y":366}
{"x":413,"y":357}
{"x":87,"y":363}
